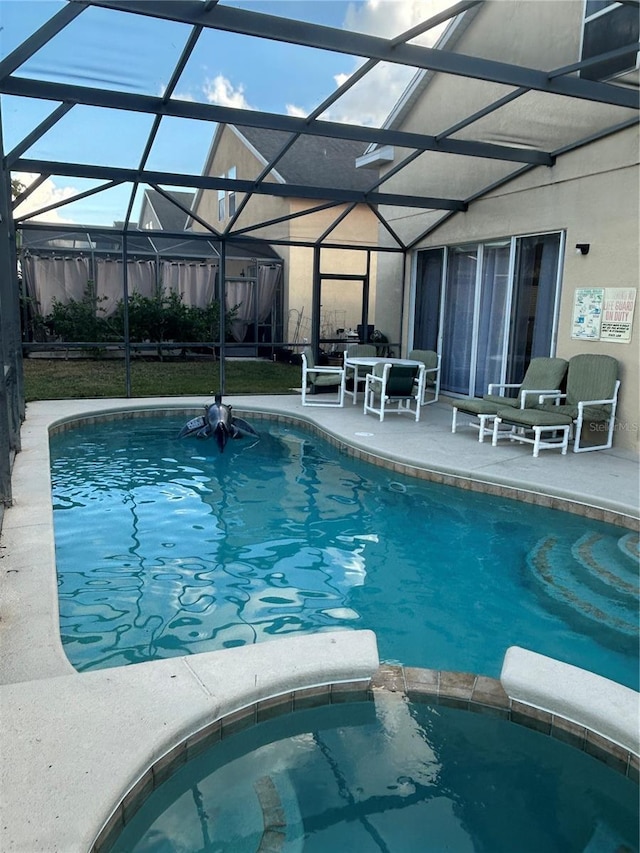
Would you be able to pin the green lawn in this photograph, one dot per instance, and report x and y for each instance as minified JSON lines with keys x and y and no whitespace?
{"x":58,"y":379}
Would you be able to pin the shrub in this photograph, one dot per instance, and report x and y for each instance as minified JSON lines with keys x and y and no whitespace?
{"x":153,"y":319}
{"x":78,"y":319}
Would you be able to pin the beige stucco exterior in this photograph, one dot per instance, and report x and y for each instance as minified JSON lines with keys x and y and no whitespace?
{"x":341,"y":301}
{"x":591,"y":195}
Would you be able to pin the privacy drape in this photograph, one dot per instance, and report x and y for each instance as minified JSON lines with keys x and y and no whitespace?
{"x":195,"y":280}
{"x":66,"y":278}
{"x":253,"y":300}
{"x":48,"y":279}
{"x":141,"y":278}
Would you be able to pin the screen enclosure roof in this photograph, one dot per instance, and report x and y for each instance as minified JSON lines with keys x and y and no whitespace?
{"x":105,"y":100}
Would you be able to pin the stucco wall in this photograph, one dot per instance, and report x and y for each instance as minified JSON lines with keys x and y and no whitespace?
{"x":360,"y":226}
{"x":230,"y":152}
{"x":591,"y":195}
{"x":341,"y":301}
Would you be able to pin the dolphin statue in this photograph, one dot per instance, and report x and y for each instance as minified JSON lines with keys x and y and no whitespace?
{"x":218,"y":422}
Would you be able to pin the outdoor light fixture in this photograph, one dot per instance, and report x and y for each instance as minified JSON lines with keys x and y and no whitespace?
{"x":582,"y":248}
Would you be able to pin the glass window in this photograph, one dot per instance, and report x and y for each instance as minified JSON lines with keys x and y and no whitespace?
{"x":593,"y":6}
{"x":232,"y":196}
{"x":429,"y":268}
{"x":492,"y":316}
{"x":458,"y":318}
{"x":533,"y":312}
{"x":607,"y":27}
{"x":496,"y":311}
{"x":221,"y":203}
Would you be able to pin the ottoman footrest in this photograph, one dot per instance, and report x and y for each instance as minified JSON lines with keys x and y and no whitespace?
{"x":541,"y":423}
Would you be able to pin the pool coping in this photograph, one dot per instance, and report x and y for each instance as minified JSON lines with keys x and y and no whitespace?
{"x":32,"y":661}
{"x":462,"y":691}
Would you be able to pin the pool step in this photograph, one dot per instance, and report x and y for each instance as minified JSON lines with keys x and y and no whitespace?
{"x":592,"y":579}
{"x":605,"y":839}
{"x":629,"y":544}
{"x":605,"y":568}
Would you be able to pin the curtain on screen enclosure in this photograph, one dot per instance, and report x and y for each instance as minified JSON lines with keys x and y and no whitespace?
{"x":253,"y":301}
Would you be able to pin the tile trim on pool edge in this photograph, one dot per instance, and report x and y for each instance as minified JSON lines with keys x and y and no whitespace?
{"x":432,"y":475}
{"x":461,"y":690}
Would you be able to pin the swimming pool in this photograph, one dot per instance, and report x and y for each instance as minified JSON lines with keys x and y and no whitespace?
{"x":388,"y":775}
{"x":168,"y":547}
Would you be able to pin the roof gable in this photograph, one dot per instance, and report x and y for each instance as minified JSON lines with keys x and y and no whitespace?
{"x":168,"y":215}
{"x":315,"y":160}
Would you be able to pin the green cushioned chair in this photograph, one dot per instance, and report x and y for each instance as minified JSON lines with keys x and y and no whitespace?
{"x":361,"y":351}
{"x":542,"y":375}
{"x":431,"y":361}
{"x":397,"y":384}
{"x":320,"y":378}
{"x":591,"y":399}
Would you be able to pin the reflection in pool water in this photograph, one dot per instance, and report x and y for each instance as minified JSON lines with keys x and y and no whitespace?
{"x":389,"y":776}
{"x":168,"y":547}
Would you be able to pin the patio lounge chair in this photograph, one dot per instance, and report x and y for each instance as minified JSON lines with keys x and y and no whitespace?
{"x":542,"y":375}
{"x":592,"y":396}
{"x":431,"y":361}
{"x":394,"y":383}
{"x":318,"y":378}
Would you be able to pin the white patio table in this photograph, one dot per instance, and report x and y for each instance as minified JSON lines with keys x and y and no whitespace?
{"x":368,"y":362}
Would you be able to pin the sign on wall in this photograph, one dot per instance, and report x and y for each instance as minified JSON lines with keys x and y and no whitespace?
{"x":617,"y":314}
{"x":603,"y":314}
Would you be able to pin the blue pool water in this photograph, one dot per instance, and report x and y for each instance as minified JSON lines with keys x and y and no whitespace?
{"x":168,"y":547}
{"x":393,"y":777}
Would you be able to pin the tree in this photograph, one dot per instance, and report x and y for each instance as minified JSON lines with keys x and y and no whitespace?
{"x":17,"y":187}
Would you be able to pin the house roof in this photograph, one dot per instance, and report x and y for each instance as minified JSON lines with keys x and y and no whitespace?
{"x":169,"y":216}
{"x":316,"y":160}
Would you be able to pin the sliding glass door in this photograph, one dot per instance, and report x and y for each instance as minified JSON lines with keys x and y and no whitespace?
{"x":458,"y":318}
{"x":488,"y":308}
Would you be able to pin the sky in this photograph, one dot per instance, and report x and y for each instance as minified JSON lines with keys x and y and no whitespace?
{"x":97,"y":50}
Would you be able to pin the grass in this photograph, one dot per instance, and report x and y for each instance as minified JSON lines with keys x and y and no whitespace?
{"x":61,"y":379}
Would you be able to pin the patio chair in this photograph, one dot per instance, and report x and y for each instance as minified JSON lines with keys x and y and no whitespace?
{"x":394,"y":384}
{"x":357,"y":351}
{"x":361,"y":351}
{"x":431,"y":361}
{"x":542,"y":375}
{"x":318,"y":378}
{"x":591,"y":398}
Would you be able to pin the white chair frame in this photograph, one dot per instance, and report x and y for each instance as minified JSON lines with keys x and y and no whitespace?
{"x":435,"y":390}
{"x":353,"y":368}
{"x":560,"y":434}
{"x":322,"y":370}
{"x":486,"y":425}
{"x":579,"y":420}
{"x":376,"y":384}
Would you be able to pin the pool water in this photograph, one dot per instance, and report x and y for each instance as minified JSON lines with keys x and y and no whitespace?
{"x":393,"y":777}
{"x":166,"y":547}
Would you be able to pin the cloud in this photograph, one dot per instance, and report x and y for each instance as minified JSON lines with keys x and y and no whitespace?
{"x":371,"y":100}
{"x":47,"y":193}
{"x":221,"y":91}
{"x":298,"y":112}
{"x":389,"y":18}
